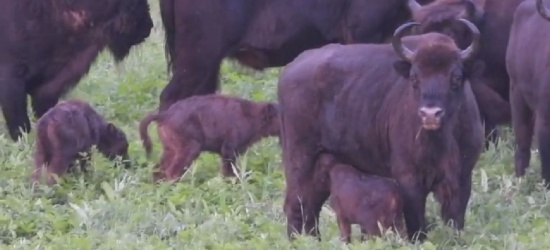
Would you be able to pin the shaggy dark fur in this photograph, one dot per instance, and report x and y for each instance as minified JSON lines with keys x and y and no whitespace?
{"x":412,"y":119}
{"x":68,"y":129}
{"x":261,"y":34}
{"x":215,"y":123}
{"x":47,"y":46}
{"x":362,"y":199}
{"x":494,"y":19}
{"x":527,"y":61}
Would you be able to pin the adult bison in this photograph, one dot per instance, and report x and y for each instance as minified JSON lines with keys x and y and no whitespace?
{"x":47,"y":46}
{"x":261,"y":34}
{"x":527,"y":61}
{"x":408,"y":114}
{"x":494,"y":19}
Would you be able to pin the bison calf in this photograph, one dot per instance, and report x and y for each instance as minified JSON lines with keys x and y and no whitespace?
{"x":215,"y":123}
{"x":367,"y":200}
{"x":68,"y":129}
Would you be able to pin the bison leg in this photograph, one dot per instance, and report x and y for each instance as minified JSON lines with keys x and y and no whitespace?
{"x":345,"y":229}
{"x":522,"y":123}
{"x":59,"y":165}
{"x":183,"y":159}
{"x":13,"y":100}
{"x":542,"y":120}
{"x":41,"y":104}
{"x":414,"y":208}
{"x":228,"y":159}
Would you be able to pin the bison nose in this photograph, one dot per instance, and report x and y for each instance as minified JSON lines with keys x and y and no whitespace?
{"x":432,"y":112}
{"x":431,"y":117}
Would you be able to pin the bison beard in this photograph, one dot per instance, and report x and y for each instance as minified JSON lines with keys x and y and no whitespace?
{"x":46,"y":47}
{"x":365,"y":106}
{"x":527,"y":63}
{"x":261,"y":34}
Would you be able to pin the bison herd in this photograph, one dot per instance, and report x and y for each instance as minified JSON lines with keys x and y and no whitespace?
{"x":380,"y":103}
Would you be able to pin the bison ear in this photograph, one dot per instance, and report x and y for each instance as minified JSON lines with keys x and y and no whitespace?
{"x":475,"y":68}
{"x":403,"y":68}
{"x":110,"y":129}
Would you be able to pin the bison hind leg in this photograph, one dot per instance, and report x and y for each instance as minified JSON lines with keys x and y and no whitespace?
{"x":522,"y":123}
{"x":182,"y":159}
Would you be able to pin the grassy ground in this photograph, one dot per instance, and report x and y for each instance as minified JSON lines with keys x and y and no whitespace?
{"x":122,"y":209}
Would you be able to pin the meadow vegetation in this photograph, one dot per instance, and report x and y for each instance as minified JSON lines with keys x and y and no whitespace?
{"x":110,"y":208}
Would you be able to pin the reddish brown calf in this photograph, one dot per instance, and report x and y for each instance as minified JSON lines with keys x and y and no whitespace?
{"x":68,"y":129}
{"x":215,"y":123}
{"x":367,"y":200}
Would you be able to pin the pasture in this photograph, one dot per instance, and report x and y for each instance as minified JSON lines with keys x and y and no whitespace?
{"x":111,"y":208}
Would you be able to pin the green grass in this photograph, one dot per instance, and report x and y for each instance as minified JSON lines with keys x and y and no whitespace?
{"x":122,"y":209}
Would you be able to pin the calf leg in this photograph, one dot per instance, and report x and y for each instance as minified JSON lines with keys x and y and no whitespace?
{"x":183,"y":159}
{"x":228,"y":159}
{"x":522,"y":123}
{"x":345,"y":229}
{"x":165,"y":160}
{"x":59,"y":165}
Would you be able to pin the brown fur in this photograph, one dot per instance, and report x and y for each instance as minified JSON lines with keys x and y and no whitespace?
{"x":362,"y":199}
{"x":361,"y":104}
{"x":527,"y":60}
{"x":261,"y":33}
{"x":47,"y":46}
{"x":494,"y":19}
{"x":68,"y":129}
{"x":215,"y":123}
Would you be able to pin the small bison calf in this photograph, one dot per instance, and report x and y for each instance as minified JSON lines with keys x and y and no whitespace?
{"x":358,"y":198}
{"x":214,"y":123}
{"x":68,"y":129}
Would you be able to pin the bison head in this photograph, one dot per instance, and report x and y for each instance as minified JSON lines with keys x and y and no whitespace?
{"x":113,"y":143}
{"x":442,"y":16}
{"x":130,"y":25}
{"x":437,"y":71}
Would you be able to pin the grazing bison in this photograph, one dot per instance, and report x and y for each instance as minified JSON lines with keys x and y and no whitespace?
{"x":215,"y":123}
{"x":261,"y":34}
{"x":527,"y":61}
{"x":494,"y":19}
{"x":361,"y":199}
{"x":68,"y":129}
{"x":47,"y":46}
{"x":405,"y":112}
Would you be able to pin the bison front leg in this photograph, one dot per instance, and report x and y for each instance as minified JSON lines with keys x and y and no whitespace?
{"x":414,"y":207}
{"x":542,"y":121}
{"x":522,"y":123}
{"x":13,"y":99}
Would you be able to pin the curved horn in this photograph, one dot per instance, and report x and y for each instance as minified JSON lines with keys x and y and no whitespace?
{"x":469,"y":52}
{"x":543,"y":11}
{"x":414,"y":5}
{"x":399,"y":48}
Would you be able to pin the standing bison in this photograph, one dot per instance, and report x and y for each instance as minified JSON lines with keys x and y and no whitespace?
{"x":494,"y":19}
{"x":46,"y":47}
{"x":528,"y":63}
{"x":406,"y":112}
{"x":261,"y":34}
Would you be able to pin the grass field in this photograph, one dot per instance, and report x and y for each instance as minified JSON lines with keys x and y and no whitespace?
{"x":122,"y":209}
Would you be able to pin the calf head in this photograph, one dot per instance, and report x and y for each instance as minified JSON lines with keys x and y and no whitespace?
{"x":437,"y":71}
{"x":113,"y":143}
{"x":129,"y":25}
{"x":443,"y":16}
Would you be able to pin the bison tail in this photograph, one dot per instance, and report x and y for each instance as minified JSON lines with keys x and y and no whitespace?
{"x":169,"y":24}
{"x":143,"y":134}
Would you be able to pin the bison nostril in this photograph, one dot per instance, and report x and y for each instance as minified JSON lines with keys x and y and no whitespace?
{"x":432,"y":112}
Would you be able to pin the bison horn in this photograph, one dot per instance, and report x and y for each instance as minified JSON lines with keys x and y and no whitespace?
{"x":398,"y":46}
{"x":469,"y":52}
{"x":543,"y":11}
{"x":414,"y":5}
